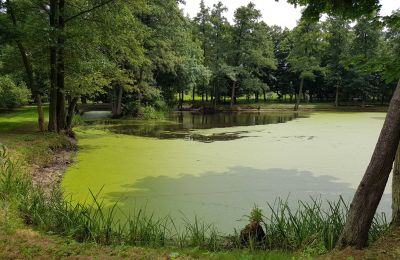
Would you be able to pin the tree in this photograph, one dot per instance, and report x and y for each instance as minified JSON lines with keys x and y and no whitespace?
{"x":305,"y":57}
{"x":24,"y":54}
{"x":203,"y":27}
{"x":281,"y":80}
{"x":219,"y":39}
{"x":391,"y":72}
{"x":251,"y":50}
{"x":337,"y":35}
{"x":371,"y":188}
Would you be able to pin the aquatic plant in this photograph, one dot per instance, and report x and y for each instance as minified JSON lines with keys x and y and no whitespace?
{"x":310,"y":227}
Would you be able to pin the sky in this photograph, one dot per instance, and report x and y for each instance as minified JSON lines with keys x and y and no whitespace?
{"x":274,"y":13}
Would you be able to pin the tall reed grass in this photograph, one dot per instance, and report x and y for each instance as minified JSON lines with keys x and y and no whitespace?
{"x":311,"y":224}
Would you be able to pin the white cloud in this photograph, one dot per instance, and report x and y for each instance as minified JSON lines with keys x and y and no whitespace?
{"x":274,"y":13}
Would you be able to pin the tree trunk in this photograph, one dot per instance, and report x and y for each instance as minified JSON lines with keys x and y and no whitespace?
{"x":372,"y":186}
{"x":182,"y":97}
{"x":265,"y":95}
{"x":71,"y":113}
{"x":61,"y":113}
{"x":216,"y":95}
{"x":84,"y":99}
{"x":233,"y":93}
{"x":296,"y":106}
{"x":53,"y":67}
{"x":29,"y":71}
{"x":396,"y":191}
{"x":40,"y":112}
{"x":119,"y":101}
{"x":114,"y":101}
{"x":337,"y":97}
{"x":193,"y":94}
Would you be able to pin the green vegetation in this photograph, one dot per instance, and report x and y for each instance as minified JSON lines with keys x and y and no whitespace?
{"x":140,"y":59}
{"x":11,"y":94}
{"x":307,"y":228}
{"x":135,"y":56}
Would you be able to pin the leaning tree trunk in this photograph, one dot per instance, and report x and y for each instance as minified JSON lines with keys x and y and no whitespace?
{"x":296,"y":106}
{"x":396,"y":191}
{"x":29,"y":71}
{"x":53,"y":67}
{"x":372,"y":186}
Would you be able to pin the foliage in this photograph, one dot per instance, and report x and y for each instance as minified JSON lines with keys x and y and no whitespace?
{"x":12,"y":95}
{"x":150,"y":51}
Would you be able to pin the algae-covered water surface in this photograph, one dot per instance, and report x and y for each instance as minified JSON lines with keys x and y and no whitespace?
{"x":219,"y":166}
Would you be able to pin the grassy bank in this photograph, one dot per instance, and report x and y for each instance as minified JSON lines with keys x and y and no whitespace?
{"x":69,"y":229}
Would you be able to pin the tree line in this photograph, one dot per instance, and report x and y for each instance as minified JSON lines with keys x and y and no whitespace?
{"x":133,"y":53}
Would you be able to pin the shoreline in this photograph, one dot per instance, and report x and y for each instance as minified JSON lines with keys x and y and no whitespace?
{"x":283,"y":108}
{"x":50,"y":175}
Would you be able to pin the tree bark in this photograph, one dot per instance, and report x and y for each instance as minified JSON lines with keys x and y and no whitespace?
{"x":296,"y":106}
{"x":337,"y":97}
{"x":119,"y":101}
{"x":396,"y":191}
{"x":265,"y":95}
{"x":372,"y":186}
{"x":71,"y":113}
{"x":233,"y":93}
{"x":61,"y":114}
{"x":53,"y":67}
{"x":39,"y":106}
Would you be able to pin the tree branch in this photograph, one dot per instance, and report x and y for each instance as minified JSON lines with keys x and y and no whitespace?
{"x":89,"y":10}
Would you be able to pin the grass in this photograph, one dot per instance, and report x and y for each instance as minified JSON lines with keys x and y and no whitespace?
{"x":19,"y":132}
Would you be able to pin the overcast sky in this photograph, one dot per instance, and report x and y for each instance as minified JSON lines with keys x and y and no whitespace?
{"x":279,"y":13}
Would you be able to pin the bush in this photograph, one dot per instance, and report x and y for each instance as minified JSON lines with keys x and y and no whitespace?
{"x":148,"y":112}
{"x":12,"y":95}
{"x":136,"y":110}
{"x":131,"y":109}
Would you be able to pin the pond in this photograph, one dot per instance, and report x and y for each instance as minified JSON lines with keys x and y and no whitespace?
{"x":219,"y":166}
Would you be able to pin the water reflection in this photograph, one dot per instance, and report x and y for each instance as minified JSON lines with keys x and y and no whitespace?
{"x":182,"y":125}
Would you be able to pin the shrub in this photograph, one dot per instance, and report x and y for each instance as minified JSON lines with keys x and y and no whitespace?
{"x":131,"y":109}
{"x":12,"y":95}
{"x":136,"y":110}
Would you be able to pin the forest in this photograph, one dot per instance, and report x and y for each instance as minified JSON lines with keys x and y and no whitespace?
{"x":147,"y":53}
{"x":131,"y":123}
